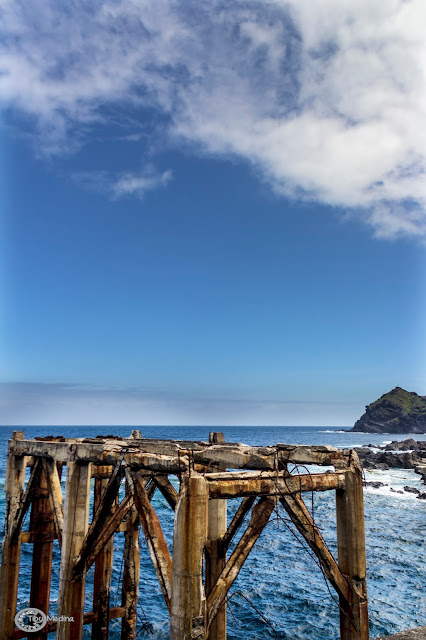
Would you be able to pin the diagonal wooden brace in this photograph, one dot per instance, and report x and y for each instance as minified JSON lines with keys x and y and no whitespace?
{"x":259,"y":517}
{"x":302,"y":520}
{"x":157,"y":545}
{"x":55,"y":496}
{"x":167,"y":489}
{"x":105,"y":505}
{"x":237,"y":520}
{"x":25,"y":501}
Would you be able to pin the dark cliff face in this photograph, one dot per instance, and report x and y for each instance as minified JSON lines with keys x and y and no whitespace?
{"x":398,"y":411}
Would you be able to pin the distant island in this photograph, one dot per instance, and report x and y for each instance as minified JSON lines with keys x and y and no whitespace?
{"x":398,"y":411}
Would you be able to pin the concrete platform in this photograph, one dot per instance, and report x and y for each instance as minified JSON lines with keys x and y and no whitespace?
{"x":412,"y":634}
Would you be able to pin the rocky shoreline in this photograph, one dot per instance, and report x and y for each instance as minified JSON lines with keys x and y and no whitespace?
{"x":405,"y":454}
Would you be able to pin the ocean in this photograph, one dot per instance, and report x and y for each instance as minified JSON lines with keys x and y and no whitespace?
{"x":280,"y":592}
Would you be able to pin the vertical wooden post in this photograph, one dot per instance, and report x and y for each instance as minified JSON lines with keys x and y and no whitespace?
{"x":76,"y":519}
{"x":11,"y":550}
{"x":42,"y":527}
{"x":130,"y":586}
{"x":103,"y":569}
{"x":351,"y":554}
{"x":188,"y":603}
{"x":216,"y":552}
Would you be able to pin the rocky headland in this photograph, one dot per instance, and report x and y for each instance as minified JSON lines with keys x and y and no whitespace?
{"x":398,"y":411}
{"x":408,"y":454}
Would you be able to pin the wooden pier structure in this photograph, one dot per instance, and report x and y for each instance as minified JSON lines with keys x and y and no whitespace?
{"x":196,"y":578}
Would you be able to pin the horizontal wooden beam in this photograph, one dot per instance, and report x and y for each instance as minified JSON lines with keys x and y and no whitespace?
{"x":237,"y":484}
{"x":170,"y":457}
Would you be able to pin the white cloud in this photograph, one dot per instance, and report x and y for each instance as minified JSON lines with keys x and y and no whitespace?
{"x":326,"y":100}
{"x":134,"y":184}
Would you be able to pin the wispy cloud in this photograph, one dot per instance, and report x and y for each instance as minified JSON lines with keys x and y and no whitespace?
{"x":60,"y":403}
{"x":123,"y":184}
{"x":326,"y":100}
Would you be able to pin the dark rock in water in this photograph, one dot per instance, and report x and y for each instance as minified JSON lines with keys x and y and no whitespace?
{"x":375,"y":485}
{"x":396,"y":490}
{"x":421,"y":470}
{"x":412,"y":490}
{"x":398,"y":411}
{"x":407,"y":445}
{"x":421,"y":495}
{"x":384,"y":460}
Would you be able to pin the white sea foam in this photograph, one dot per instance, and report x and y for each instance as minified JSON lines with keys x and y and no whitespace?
{"x":395,"y":479}
{"x":334,"y":431}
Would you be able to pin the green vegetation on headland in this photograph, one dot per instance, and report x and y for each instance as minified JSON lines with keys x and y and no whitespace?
{"x":398,"y":411}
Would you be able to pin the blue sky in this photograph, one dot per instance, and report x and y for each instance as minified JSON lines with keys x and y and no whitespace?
{"x":210,"y":215}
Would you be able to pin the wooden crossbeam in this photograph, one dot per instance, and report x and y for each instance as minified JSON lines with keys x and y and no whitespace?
{"x":259,"y":517}
{"x":25,"y":501}
{"x":55,"y":496}
{"x":302,"y":520}
{"x":105,"y":505}
{"x":250,"y":483}
{"x":237,"y":521}
{"x":157,"y":545}
{"x":167,"y":489}
{"x":162,"y":456}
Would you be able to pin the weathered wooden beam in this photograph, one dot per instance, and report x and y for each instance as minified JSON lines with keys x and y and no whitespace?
{"x":167,"y":489}
{"x":111,"y":525}
{"x":28,"y":537}
{"x":41,"y":523}
{"x":188,"y":606}
{"x":157,"y":545}
{"x":130,"y":584}
{"x":173,"y":458}
{"x":76,"y":521}
{"x":103,"y":564}
{"x":106,"y":503}
{"x":351,"y":554}
{"x":318,"y":455}
{"x":11,"y":550}
{"x":25,"y":500}
{"x":237,"y":484}
{"x":55,"y":496}
{"x":302,"y":520}
{"x":215,"y":554}
{"x":237,"y":520}
{"x":215,"y":550}
{"x":259,"y":517}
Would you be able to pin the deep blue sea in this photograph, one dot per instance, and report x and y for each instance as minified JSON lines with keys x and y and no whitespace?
{"x":280,"y":591}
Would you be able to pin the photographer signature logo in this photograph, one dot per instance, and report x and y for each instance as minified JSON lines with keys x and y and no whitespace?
{"x":32,"y":619}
